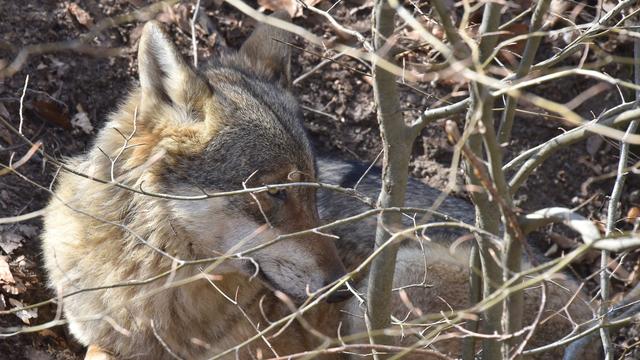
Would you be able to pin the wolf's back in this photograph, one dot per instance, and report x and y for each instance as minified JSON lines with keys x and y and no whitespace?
{"x":434,"y":276}
{"x":357,"y":239}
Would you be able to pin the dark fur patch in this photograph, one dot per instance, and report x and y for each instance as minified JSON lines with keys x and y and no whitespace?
{"x":355,"y":172}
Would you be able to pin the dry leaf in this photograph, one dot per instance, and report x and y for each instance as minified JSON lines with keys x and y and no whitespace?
{"x":293,"y":7}
{"x":633,"y":278}
{"x":137,"y":3}
{"x":633,"y":214}
{"x":178,"y":14}
{"x":20,"y":261}
{"x":29,"y":231}
{"x":183,"y":17}
{"x":551,"y":250}
{"x":16,"y":289}
{"x":563,"y":241}
{"x":81,"y":121}
{"x":24,"y":315}
{"x":618,"y":271}
{"x":4,"y":112}
{"x":366,"y":4}
{"x":10,"y":241}
{"x":136,"y":33}
{"x":5,"y":135}
{"x":50,"y":334}
{"x":593,"y":144}
{"x":513,"y":51}
{"x":79,"y":14}
{"x":52,"y":112}
{"x":5,"y":272}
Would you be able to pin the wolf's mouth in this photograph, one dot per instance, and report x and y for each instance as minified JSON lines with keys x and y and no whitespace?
{"x":339,"y":295}
{"x":274,"y":286}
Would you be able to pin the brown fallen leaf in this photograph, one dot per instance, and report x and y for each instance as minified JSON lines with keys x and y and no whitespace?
{"x":593,"y":144}
{"x":289,"y":5}
{"x":563,"y":241}
{"x":10,"y":241}
{"x":5,"y":135}
{"x":81,"y":121}
{"x":551,"y":250}
{"x":4,"y":112}
{"x":635,"y":274}
{"x":137,"y":3}
{"x":12,"y":238}
{"x":83,"y":17}
{"x":52,"y":112}
{"x":24,"y":315}
{"x":135,"y":34}
{"x":513,"y":51}
{"x":179,"y":14}
{"x":293,"y":7}
{"x":16,"y":289}
{"x":50,"y":334}
{"x":366,"y":4}
{"x":5,"y":272}
{"x":618,"y":271}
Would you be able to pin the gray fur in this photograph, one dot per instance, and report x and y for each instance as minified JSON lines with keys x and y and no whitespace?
{"x":357,"y":238}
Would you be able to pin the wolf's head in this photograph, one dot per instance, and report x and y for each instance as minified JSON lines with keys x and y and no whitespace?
{"x":225,"y":127}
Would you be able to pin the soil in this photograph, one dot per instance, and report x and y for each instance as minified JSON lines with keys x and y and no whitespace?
{"x":64,"y":86}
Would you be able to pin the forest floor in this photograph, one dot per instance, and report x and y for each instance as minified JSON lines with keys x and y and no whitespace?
{"x":70,"y":93}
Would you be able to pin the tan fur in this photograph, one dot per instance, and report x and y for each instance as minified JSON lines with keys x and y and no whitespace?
{"x":447,"y":281}
{"x":95,"y":353}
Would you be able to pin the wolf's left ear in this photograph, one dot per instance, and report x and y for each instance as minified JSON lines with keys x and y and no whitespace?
{"x":164,"y":74}
{"x":267,"y":51}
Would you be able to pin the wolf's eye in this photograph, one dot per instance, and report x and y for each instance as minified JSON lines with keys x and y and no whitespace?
{"x":277,"y":193}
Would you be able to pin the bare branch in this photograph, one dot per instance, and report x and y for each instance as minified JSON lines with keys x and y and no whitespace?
{"x":533,"y":42}
{"x":396,"y":145}
{"x":194,"y":40}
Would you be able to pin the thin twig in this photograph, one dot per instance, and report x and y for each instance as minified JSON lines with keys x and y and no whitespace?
{"x":339,"y":27}
{"x":320,"y":65}
{"x":162,"y":342}
{"x":24,"y":91}
{"x":194,"y":40}
{"x":364,"y":174}
{"x":533,"y":42}
{"x":23,"y":160}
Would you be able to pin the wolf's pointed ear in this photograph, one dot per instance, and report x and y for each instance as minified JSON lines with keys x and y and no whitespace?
{"x":267,"y":51}
{"x":164,"y":74}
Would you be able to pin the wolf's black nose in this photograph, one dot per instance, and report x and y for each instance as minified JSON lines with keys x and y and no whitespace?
{"x":341,"y":294}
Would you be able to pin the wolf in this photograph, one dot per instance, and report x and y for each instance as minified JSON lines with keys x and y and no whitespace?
{"x":148,"y":263}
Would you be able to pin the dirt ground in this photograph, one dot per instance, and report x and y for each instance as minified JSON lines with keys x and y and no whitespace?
{"x":67,"y":88}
